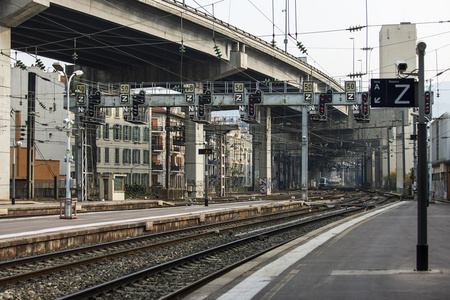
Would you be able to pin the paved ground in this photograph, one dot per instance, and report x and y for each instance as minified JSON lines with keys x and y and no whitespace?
{"x":373,"y":257}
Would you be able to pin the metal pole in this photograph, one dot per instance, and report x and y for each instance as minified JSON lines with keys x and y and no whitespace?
{"x":415,"y":157}
{"x":388,"y":161}
{"x":403,"y":153}
{"x":286,"y":27}
{"x":353,"y":61}
{"x":422,"y":171}
{"x":68,"y":209}
{"x":304,"y":153}
{"x":13,"y":188}
{"x":206,"y":179}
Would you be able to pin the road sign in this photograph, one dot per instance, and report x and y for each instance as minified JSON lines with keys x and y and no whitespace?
{"x":308,"y":86}
{"x":238,"y":87}
{"x":350,"y":96}
{"x":81,"y":99}
{"x":189,"y":88}
{"x":392,"y":93}
{"x":124,"y":93}
{"x":308,"y":97}
{"x":239,"y":97}
{"x":350,"y":86}
{"x":81,"y":88}
{"x":189,"y":97}
{"x":124,"y":88}
{"x":124,"y":98}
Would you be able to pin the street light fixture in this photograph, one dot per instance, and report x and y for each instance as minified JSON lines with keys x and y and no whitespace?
{"x":78,"y":73}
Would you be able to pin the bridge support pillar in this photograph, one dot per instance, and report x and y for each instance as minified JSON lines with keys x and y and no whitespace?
{"x":5,"y":107}
{"x":262,"y":152}
{"x":194,"y":163}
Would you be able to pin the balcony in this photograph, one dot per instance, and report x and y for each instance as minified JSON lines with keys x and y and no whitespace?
{"x":176,"y":149}
{"x":157,"y":129}
{"x":174,"y":168}
{"x":157,"y":167}
{"x":157,"y":147}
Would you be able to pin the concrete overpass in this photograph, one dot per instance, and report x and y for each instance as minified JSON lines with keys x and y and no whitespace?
{"x":140,"y":40}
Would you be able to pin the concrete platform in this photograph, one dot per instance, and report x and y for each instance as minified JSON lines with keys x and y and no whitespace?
{"x":370,"y":257}
{"x":34,"y":235}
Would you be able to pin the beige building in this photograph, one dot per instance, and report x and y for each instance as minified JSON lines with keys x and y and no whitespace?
{"x":141,"y":152}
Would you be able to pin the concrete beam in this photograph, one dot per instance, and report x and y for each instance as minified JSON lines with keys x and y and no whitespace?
{"x":15,"y":12}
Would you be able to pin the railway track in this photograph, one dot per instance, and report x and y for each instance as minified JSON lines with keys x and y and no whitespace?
{"x":156,"y":246}
{"x":174,"y":279}
{"x":35,"y":266}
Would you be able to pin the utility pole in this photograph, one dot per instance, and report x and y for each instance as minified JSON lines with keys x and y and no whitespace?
{"x":286,"y":27}
{"x":422,"y":170}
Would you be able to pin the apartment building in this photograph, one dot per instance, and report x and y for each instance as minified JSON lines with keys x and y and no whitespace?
{"x":149,"y":155}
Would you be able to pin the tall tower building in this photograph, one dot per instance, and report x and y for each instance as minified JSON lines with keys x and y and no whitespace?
{"x":397,"y":43}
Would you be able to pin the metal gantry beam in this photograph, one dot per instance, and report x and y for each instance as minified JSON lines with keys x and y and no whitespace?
{"x":222,"y":95}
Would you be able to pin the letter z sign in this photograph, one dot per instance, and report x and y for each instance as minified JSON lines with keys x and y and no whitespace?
{"x":392,"y":93}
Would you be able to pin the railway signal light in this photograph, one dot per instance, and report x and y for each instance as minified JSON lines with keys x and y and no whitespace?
{"x":205,"y":98}
{"x":364,"y":105}
{"x":138,"y":99}
{"x":201,"y":111}
{"x":251,"y":110}
{"x":427,"y":103}
{"x":322,"y":108}
{"x":253,"y":99}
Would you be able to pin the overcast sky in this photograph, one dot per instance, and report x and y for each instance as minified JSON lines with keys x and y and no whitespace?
{"x":320,"y":26}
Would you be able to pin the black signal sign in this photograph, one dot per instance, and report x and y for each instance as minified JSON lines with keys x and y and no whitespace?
{"x":392,"y":93}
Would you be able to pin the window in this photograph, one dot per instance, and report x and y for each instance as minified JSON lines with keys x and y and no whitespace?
{"x":126,"y":156}
{"x":99,"y":153}
{"x":145,"y":179}
{"x":108,"y":111}
{"x":146,"y":137}
{"x":136,"y":156}
{"x":106,"y":155}
{"x":126,"y":132}
{"x":117,"y":156}
{"x":136,"y":178}
{"x":146,"y":158}
{"x":117,"y":112}
{"x":106,"y":131}
{"x":117,"y":132}
{"x":136,"y":134}
{"x":98,"y":132}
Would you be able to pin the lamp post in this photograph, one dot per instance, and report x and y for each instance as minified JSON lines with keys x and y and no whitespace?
{"x":78,"y":73}
{"x":16,"y":144}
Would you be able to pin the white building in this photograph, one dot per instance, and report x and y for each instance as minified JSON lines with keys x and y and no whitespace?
{"x":397,"y":43}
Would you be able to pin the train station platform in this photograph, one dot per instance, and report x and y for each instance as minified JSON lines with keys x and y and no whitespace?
{"x":38,"y":234}
{"x":372,"y":256}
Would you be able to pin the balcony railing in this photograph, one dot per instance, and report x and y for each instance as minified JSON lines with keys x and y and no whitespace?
{"x":157,"y":147}
{"x":157,"y":167}
{"x":175,"y":168}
